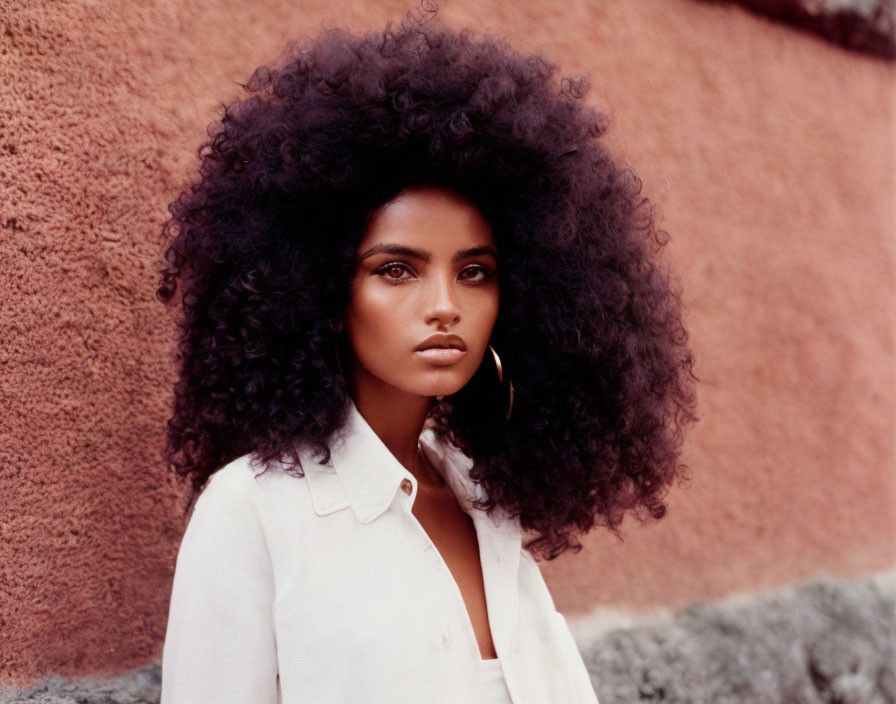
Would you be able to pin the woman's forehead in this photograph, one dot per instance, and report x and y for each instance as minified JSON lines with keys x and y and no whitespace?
{"x":430,"y":218}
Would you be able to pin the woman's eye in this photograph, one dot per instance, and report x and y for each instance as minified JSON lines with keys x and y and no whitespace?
{"x":475,"y":274}
{"x":393,"y":271}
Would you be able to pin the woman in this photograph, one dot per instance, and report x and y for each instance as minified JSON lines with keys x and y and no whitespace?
{"x":423,"y":344}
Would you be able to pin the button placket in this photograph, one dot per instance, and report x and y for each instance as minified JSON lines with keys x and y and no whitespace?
{"x":445,"y":638}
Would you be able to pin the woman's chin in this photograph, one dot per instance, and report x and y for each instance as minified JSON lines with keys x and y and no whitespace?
{"x":442,"y":387}
{"x":442,"y":391}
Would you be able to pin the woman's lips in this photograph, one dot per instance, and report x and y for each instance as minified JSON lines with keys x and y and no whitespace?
{"x":441,"y":355}
{"x":442,"y":348}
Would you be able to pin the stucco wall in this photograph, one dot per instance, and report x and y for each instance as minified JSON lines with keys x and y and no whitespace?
{"x":771,"y":157}
{"x":768,"y":153}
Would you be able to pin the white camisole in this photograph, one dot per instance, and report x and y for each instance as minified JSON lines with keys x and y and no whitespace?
{"x":494,"y":686}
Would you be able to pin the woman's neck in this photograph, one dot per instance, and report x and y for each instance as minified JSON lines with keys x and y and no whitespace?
{"x":397,"y":417}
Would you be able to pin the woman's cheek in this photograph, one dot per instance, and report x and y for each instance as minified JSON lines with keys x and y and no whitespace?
{"x":378,"y":321}
{"x":384,"y":314}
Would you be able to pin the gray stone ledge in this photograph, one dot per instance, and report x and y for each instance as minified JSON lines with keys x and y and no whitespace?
{"x":826,"y":642}
{"x":140,"y":686}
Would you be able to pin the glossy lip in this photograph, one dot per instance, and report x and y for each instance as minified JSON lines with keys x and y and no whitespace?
{"x":441,"y":355}
{"x":441,"y":340}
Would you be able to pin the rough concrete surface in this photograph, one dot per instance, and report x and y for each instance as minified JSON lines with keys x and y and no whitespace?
{"x":768,"y":153}
{"x":828,"y":642}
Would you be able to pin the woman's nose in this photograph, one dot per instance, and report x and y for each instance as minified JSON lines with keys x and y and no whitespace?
{"x":442,"y":303}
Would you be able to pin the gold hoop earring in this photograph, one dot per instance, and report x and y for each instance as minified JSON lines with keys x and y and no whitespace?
{"x":500,"y":369}
{"x":338,"y":360}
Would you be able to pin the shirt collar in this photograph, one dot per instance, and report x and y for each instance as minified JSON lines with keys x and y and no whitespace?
{"x":364,"y":474}
{"x":361,"y":473}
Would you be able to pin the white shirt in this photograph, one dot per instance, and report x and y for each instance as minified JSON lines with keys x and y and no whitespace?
{"x":325,"y":588}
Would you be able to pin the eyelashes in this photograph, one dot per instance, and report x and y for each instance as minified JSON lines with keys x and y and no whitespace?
{"x":399,"y":273}
{"x":480,"y":273}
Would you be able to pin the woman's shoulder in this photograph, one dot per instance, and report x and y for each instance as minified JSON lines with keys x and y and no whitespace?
{"x":269,"y":487}
{"x":242,"y":472}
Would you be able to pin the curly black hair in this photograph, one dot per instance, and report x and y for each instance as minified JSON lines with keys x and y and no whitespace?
{"x":263,"y":245}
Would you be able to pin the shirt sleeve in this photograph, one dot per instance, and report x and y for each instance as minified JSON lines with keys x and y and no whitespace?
{"x":220,"y":646}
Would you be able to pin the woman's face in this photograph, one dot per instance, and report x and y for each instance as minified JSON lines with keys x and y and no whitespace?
{"x":424,"y":295}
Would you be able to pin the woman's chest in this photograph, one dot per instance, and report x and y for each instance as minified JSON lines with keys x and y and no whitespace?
{"x":452,"y":532}
{"x":363,"y":585}
{"x":363,"y":603}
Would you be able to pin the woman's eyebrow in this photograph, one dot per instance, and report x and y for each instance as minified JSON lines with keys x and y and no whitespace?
{"x":475,"y":252}
{"x":402,"y":250}
{"x":395,"y":249}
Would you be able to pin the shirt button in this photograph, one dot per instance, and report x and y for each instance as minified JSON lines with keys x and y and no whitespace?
{"x":446,"y":634}
{"x":406,"y":486}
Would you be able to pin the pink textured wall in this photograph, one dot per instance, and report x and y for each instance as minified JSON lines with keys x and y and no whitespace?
{"x":769,"y":154}
{"x":772,"y":157}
